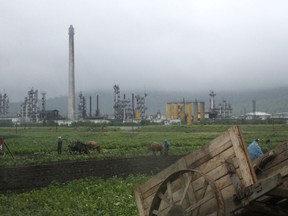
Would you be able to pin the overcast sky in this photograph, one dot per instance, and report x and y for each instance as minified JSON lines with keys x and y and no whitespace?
{"x":187,"y":45}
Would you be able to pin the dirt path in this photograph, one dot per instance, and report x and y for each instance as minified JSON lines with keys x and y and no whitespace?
{"x":37,"y":176}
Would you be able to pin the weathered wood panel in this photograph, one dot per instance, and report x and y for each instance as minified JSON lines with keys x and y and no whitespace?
{"x":210,"y":160}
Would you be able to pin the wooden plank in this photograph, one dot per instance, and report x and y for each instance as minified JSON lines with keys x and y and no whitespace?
{"x":245,"y":164}
{"x":281,"y":152}
{"x":281,"y":168}
{"x":216,"y":161}
{"x":262,"y":208}
{"x":212,"y":214}
{"x":247,"y":155}
{"x":279,"y":192}
{"x":284,"y":171}
{"x":207,"y":152}
{"x":225,"y":181}
{"x":139,"y":202}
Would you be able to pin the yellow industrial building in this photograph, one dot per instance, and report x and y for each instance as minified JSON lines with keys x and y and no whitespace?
{"x":183,"y":111}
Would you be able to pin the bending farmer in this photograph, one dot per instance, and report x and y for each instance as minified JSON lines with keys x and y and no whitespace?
{"x":254,"y":149}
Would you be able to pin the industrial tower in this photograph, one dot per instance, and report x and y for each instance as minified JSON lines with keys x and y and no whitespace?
{"x":71,"y":84}
{"x":4,"y":104}
{"x":212,"y":102}
{"x":223,"y":111}
{"x":30,"y":108}
{"x":43,"y":101}
{"x":82,"y":106}
{"x":117,"y":103}
{"x":122,"y":108}
{"x":140,"y":107}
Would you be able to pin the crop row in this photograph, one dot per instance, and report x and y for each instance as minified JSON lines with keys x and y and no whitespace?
{"x":91,"y":196}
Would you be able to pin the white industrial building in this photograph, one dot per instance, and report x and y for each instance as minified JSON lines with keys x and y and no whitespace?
{"x":257,"y":115}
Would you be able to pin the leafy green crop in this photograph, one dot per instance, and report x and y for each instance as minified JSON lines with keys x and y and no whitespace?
{"x":91,"y":196}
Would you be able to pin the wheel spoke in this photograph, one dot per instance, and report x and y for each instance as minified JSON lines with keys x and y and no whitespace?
{"x":164,"y":198}
{"x":156,"y":212}
{"x":170,"y":193}
{"x":186,"y":189}
{"x":199,"y":203}
{"x":202,"y":195}
{"x":204,"y":189}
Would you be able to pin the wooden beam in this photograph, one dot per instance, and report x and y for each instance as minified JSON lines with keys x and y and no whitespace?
{"x":279,"y":192}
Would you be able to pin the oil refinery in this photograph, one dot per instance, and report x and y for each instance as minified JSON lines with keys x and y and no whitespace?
{"x":126,"y":108}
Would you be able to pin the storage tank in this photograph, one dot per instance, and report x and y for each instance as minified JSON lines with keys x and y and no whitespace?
{"x":168,"y":111}
{"x":138,"y":114}
{"x":195,"y":111}
{"x":182,"y":112}
{"x":202,"y":111}
{"x":189,"y":113}
{"x":175,"y":111}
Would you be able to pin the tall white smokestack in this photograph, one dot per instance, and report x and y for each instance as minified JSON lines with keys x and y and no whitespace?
{"x":71,"y":91}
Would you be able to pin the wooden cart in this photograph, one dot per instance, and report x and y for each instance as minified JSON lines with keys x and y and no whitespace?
{"x":218,"y":179}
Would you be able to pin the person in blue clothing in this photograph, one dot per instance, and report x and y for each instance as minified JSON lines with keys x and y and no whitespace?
{"x":254,"y":149}
{"x":166,"y":146}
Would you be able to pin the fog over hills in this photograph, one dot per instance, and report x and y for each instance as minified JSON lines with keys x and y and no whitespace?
{"x":267,"y":100}
{"x":170,"y":49}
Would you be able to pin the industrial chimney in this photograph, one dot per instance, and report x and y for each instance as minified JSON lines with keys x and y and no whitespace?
{"x":71,"y":84}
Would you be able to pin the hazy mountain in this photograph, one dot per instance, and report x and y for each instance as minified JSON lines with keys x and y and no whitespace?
{"x":267,"y":100}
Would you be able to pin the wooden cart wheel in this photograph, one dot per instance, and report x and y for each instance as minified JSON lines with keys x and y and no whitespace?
{"x":187,"y":192}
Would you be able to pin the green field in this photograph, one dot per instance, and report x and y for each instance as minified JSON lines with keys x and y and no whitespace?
{"x":94,"y":196}
{"x":34,"y":145}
